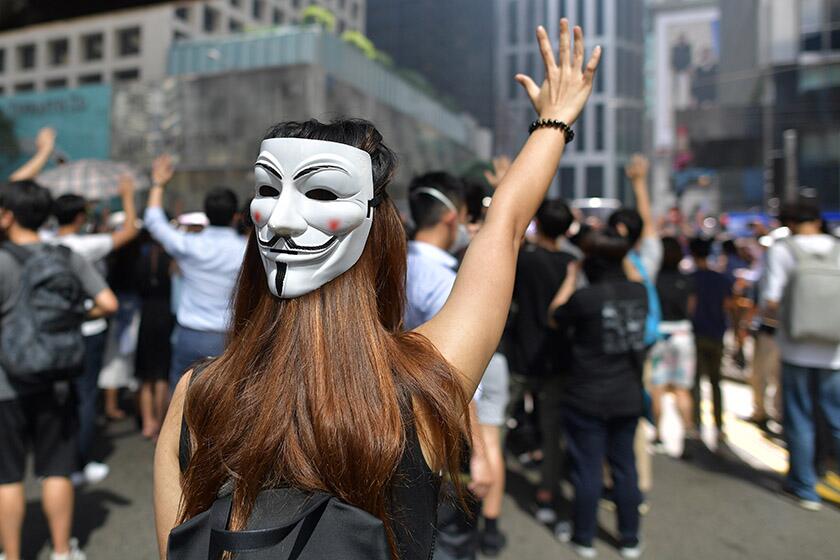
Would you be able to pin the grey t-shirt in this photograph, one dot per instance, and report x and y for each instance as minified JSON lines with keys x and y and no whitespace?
{"x":92,"y":284}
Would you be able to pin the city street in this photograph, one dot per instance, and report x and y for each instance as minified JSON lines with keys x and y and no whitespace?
{"x":716,"y":506}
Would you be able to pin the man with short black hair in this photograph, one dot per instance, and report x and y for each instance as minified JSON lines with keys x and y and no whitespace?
{"x":542,"y":353}
{"x":38,"y":414}
{"x":71,"y":212}
{"x":209,"y":262}
{"x":810,"y":361}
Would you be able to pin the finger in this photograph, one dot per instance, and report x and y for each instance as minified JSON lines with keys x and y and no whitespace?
{"x":577,"y":63}
{"x":545,"y":50}
{"x":592,"y":65}
{"x":565,"y":43}
{"x":531,"y":88}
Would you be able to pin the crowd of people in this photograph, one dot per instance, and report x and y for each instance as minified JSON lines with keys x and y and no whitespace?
{"x":531,"y":332}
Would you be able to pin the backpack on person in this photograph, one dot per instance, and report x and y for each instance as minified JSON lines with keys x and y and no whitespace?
{"x":284,"y":524}
{"x":811,"y":309}
{"x":41,"y":340}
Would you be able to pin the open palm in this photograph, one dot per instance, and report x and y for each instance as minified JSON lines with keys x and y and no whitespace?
{"x":567,"y":83}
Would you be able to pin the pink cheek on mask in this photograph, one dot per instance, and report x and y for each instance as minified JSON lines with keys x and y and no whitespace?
{"x":257,"y":217}
{"x":333,"y":225}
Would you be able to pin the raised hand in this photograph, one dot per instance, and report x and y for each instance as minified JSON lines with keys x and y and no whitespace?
{"x":162,"y":170}
{"x":501,"y":165}
{"x":567,"y":83}
{"x":45,"y":141}
{"x":126,"y":186}
{"x":637,"y":168}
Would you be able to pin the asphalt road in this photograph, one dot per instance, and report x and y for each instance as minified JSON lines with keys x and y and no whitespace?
{"x":721,"y":506}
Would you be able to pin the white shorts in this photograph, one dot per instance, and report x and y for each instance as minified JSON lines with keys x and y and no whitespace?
{"x":492,"y":395}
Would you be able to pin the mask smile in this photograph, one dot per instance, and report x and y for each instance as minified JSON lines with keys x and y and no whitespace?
{"x":292,"y":248}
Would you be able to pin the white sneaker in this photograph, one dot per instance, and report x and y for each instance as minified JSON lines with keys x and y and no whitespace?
{"x":546,"y":515}
{"x":584,"y":551}
{"x":631,"y":551}
{"x":96,"y":472}
{"x":563,"y":531}
{"x":74,"y":554}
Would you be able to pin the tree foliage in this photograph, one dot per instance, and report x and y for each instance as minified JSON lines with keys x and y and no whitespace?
{"x":320,"y":16}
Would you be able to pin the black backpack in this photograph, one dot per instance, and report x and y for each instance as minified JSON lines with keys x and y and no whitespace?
{"x":285,"y":524}
{"x":41,"y":340}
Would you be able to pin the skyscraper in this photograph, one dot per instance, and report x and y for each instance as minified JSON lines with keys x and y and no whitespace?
{"x":610,"y":129}
{"x":448,"y":43}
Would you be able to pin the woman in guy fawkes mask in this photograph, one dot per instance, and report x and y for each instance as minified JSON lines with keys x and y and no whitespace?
{"x":320,"y":388}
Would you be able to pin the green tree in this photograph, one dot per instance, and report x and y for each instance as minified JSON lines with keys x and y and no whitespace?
{"x":319,"y":16}
{"x":361,"y":42}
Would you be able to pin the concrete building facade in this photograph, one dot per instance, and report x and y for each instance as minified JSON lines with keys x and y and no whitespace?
{"x":132,"y":44}
{"x":611,"y":128}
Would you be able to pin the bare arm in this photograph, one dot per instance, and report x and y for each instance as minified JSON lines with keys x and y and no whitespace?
{"x":567,"y":289}
{"x":167,"y":491}
{"x":129,"y":231}
{"x":44,"y":144}
{"x":468,"y":328}
{"x":480,"y":472}
{"x":637,"y":172}
{"x":105,"y":304}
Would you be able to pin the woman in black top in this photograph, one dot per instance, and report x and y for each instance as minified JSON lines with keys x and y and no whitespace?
{"x":603,"y":394}
{"x":321,"y":389}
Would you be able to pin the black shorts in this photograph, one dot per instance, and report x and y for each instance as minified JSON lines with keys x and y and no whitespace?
{"x":47,"y":422}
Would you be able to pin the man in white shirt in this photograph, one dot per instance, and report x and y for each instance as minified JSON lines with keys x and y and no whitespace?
{"x":805,"y":363}
{"x":71,"y":212}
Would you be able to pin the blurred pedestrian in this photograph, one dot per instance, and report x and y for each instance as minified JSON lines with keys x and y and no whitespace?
{"x":803,"y":288}
{"x":710,"y":321}
{"x":44,"y":146}
{"x":673,"y":357}
{"x":71,"y":212}
{"x":542,"y":352}
{"x":40,"y":413}
{"x":208,"y":262}
{"x":602,"y":398}
{"x":154,"y":351}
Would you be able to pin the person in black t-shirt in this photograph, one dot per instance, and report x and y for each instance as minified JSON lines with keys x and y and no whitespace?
{"x":602,"y":399}
{"x":541,"y":353}
{"x":673,"y":357}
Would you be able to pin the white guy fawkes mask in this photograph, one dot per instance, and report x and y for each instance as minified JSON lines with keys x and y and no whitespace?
{"x":312,"y":211}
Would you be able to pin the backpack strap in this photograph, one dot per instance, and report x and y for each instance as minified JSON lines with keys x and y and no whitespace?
{"x":19,"y":253}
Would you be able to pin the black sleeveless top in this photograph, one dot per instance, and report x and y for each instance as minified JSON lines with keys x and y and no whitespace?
{"x":414,"y":494}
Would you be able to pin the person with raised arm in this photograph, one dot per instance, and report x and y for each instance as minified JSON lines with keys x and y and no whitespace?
{"x":320,"y":388}
{"x":44,"y":146}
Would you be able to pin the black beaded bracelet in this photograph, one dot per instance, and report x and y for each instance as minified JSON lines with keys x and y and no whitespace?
{"x":553,"y":123}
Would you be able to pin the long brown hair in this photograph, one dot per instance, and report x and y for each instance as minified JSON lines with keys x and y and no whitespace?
{"x":315,"y":392}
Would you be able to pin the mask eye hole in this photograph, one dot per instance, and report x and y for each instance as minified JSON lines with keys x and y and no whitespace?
{"x":321,"y":194}
{"x":268,"y":191}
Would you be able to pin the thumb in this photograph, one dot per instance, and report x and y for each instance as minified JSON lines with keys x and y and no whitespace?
{"x":530,"y":87}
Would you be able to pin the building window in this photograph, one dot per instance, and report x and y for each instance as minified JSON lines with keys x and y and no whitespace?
{"x":24,"y":87}
{"x":2,"y":91}
{"x":90,"y":79}
{"x":2,"y":60}
{"x":26,"y":57}
{"x":354,"y":10}
{"x":599,"y":127}
{"x":179,"y":36}
{"x":296,"y":4}
{"x":277,"y":16}
{"x":531,"y":66}
{"x":127,"y":75}
{"x":595,"y":181}
{"x":341,"y":27}
{"x":258,"y":9}
{"x":599,"y":75}
{"x":182,"y":13}
{"x":58,"y":50}
{"x":57,"y":83}
{"x":819,"y":25}
{"x":211,"y":19}
{"x":128,"y":41}
{"x":581,"y":13}
{"x":567,"y":182}
{"x":513,"y":86}
{"x":563,"y":13}
{"x":236,"y":3}
{"x":235,"y":26}
{"x":93,"y":46}
{"x":580,"y":132}
{"x":599,"y":17}
{"x":513,"y":22}
{"x":531,"y":17}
